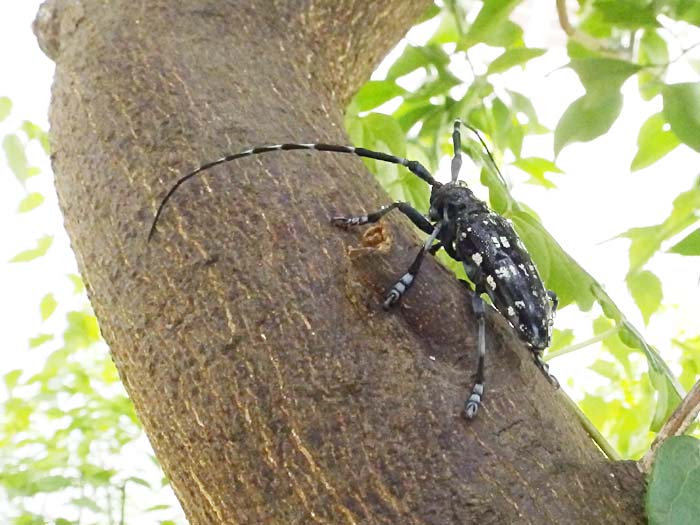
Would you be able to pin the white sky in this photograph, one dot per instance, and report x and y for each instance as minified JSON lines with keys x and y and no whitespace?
{"x":597,"y":198}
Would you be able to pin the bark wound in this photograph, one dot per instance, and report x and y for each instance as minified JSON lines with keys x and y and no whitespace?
{"x":271,"y":385}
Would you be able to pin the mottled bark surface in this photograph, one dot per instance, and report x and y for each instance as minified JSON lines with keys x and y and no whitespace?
{"x":248,"y":332}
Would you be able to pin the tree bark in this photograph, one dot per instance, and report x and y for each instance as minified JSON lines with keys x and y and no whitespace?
{"x":249,"y":332}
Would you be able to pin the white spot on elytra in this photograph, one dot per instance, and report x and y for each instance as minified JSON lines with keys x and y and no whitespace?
{"x":520,"y":305}
{"x":491,"y":282}
{"x":477,"y":258}
{"x":496,"y":242}
{"x":511,"y":311}
{"x":502,"y":272}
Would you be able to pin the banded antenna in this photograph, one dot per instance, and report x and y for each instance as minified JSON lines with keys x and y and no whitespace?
{"x":414,"y":166}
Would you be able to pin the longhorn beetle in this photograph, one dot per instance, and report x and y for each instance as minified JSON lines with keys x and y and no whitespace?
{"x":494,"y":258}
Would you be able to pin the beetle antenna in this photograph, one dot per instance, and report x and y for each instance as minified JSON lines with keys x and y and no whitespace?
{"x":413,"y":166}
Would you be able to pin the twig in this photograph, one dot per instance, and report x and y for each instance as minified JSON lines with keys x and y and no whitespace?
{"x":572,"y":348}
{"x":575,"y":34}
{"x":677,"y":424}
{"x":592,"y":431}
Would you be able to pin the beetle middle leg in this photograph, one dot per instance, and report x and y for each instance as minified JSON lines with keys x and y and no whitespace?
{"x":409,"y":277}
{"x":472,"y":405}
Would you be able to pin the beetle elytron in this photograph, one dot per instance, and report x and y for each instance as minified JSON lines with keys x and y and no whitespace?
{"x":493,"y":256}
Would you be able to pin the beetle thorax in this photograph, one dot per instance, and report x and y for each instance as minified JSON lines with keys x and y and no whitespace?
{"x":455,"y":199}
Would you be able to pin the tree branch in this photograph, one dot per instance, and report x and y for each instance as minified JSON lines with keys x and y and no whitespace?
{"x":677,"y":424}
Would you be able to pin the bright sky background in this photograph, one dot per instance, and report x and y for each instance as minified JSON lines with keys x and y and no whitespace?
{"x":597,"y":198}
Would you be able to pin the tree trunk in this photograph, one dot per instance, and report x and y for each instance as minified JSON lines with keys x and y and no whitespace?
{"x":249,"y":332}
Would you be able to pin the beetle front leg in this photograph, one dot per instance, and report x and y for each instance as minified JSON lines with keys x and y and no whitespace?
{"x":409,"y":211}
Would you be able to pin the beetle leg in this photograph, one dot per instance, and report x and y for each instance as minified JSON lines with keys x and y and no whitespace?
{"x":409,"y":277}
{"x":409,"y":211}
{"x":544,"y":367}
{"x":474,"y":402}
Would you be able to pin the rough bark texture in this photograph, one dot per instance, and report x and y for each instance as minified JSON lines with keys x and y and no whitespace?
{"x":248,"y":332}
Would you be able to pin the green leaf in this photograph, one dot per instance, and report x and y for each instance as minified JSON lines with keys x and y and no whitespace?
{"x":86,"y":503}
{"x":513,"y":57}
{"x":96,"y":475}
{"x":158,"y":507}
{"x":587,"y":118}
{"x":11,"y":379}
{"x":667,"y":399}
{"x":561,"y":339}
{"x":646,"y":291}
{"x":593,"y":22}
{"x":606,"y":74}
{"x":78,"y":285}
{"x":39,"y":340}
{"x":34,"y":132}
{"x":53,"y":483}
{"x":434,"y":87}
{"x":591,"y":115}
{"x":31,"y":201}
{"x":646,"y":241}
{"x":375,"y":93}
{"x":430,"y":13}
{"x":82,"y":330}
{"x":690,"y":245}
{"x":688,"y":10}
{"x":503,"y":124}
{"x":559,"y":271}
{"x":521,"y":105}
{"x":627,"y":14}
{"x":682,"y":110}
{"x":27,"y":518}
{"x":138,"y":481}
{"x":16,"y":158}
{"x":47,"y":306}
{"x":42,"y":246}
{"x":5,"y":108}
{"x":607,"y":369}
{"x":537,"y":167}
{"x":653,"y":142}
{"x":493,"y":14}
{"x":673,"y":491}
{"x":506,"y":34}
{"x":448,"y":31}
{"x":416,"y":57}
{"x":653,"y":51}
